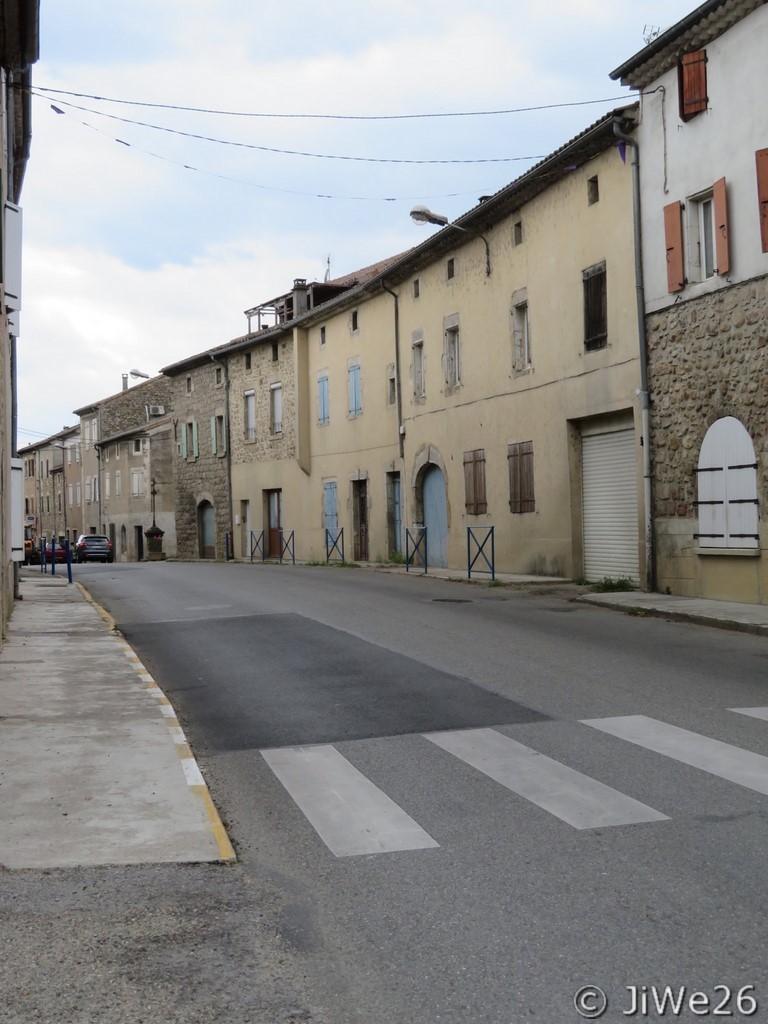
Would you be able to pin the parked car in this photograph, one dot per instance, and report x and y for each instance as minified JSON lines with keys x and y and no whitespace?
{"x":60,"y":553}
{"x":94,"y":547}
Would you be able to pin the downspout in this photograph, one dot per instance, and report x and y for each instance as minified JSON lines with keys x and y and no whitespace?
{"x":223,"y":364}
{"x":398,"y":390}
{"x":643,"y":394}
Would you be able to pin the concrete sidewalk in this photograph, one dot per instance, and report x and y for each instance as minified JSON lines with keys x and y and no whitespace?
{"x":745,"y":618}
{"x":94,"y":768}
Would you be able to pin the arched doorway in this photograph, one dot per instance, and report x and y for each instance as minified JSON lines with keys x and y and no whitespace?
{"x":206,"y":529}
{"x":435,"y":515}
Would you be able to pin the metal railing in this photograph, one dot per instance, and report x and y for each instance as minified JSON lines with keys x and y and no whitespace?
{"x":332,"y":544}
{"x":287,"y":545}
{"x":416,"y":548}
{"x":257,"y":544}
{"x":476,"y":550}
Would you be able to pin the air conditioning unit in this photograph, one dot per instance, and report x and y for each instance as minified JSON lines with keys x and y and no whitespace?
{"x":156,"y":410}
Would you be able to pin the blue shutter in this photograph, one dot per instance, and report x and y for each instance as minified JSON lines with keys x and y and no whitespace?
{"x":355,"y":396}
{"x":322,"y":400}
{"x":195,"y":445}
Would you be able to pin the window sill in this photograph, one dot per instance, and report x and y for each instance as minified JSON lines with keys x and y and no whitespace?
{"x":728,"y":552}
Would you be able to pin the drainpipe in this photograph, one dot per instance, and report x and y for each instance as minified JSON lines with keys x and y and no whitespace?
{"x":619,"y":124}
{"x":398,"y":391}
{"x":223,"y":364}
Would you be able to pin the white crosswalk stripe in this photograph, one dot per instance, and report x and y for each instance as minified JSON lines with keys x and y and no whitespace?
{"x":575,"y":798}
{"x":354,"y":817}
{"x":349,"y":813}
{"x":752,"y":712}
{"x":722,"y":759}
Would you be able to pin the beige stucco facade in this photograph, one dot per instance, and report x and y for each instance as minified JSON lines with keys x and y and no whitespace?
{"x":363,"y":425}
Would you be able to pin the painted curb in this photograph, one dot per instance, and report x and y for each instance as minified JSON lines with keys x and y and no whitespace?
{"x":189,"y":765}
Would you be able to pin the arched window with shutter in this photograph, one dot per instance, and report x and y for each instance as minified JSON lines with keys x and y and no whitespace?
{"x":727,"y":487}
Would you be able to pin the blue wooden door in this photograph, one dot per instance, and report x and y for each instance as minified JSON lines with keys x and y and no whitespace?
{"x":435,"y":517}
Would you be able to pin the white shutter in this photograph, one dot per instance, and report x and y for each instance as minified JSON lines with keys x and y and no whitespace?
{"x":609,"y":505}
{"x":727,"y":487}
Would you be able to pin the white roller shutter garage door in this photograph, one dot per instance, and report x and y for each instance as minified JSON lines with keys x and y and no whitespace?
{"x":609,"y":505}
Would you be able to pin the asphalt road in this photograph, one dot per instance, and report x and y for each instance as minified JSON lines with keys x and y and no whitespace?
{"x":555,"y":811}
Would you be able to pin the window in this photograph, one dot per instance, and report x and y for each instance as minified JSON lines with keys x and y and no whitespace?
{"x":78,"y":494}
{"x":452,"y":353}
{"x":95,"y":431}
{"x":218,"y":376}
{"x":522,"y":337}
{"x":692,"y":84}
{"x":419,"y":389}
{"x":354,"y":321}
{"x":595,"y":308}
{"x":474,"y":482}
{"x":70,"y":495}
{"x":705,"y":226}
{"x":276,"y":408}
{"x":189,"y":442}
{"x":137,"y":446}
{"x":95,"y":488}
{"x":218,"y":436}
{"x":323,"y":411}
{"x":77,"y":453}
{"x":709,"y":230}
{"x":761,"y":162}
{"x":247,"y":360}
{"x":137,"y":483}
{"x":593,"y":191}
{"x":250,"y":415}
{"x":322,"y":336}
{"x":450,"y":269}
{"x":88,"y":490}
{"x":391,"y":385}
{"x":118,"y":483}
{"x":189,"y":385}
{"x":106,"y":485}
{"x":355,"y":389}
{"x":517,"y":233}
{"x":275,"y":352}
{"x":416,"y":288}
{"x":520,"y":463}
{"x":117,"y":451}
{"x":727,"y":487}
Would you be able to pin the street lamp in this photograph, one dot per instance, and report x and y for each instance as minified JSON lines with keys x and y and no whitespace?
{"x":423,"y":215}
{"x":135,"y":374}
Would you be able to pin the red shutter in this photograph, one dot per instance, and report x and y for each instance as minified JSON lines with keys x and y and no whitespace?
{"x":692,"y":84}
{"x":673,"y":234}
{"x":720,"y":201}
{"x":761,"y":158}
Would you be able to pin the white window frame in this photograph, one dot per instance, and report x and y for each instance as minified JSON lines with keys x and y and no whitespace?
{"x":521,"y":331}
{"x":249,"y":415}
{"x":118,"y":483}
{"x":452,"y":352}
{"x":276,"y":408}
{"x":137,"y":483}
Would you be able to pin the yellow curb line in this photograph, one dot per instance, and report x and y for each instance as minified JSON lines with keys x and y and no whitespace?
{"x":226,"y":850}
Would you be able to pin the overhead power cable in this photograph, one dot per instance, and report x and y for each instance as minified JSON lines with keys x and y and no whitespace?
{"x":329,"y":117}
{"x":270,"y":188}
{"x":282,"y":152}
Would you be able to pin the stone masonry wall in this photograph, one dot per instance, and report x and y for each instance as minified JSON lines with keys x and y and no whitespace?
{"x":265,"y":370}
{"x":708,"y":358}
{"x":201,"y":478}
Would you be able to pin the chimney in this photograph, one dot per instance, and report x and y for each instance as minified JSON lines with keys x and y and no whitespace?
{"x":300,"y":300}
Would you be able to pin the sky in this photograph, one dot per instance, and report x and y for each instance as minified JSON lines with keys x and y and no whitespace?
{"x":144,"y":245}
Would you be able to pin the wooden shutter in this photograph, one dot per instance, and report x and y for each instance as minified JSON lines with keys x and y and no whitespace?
{"x":595,"y":308}
{"x":720,"y":202}
{"x":474,"y":482}
{"x":520,"y":462}
{"x":673,"y":236}
{"x":761,"y":159}
{"x":692,"y":84}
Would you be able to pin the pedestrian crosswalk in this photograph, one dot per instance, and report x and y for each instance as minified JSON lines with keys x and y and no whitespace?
{"x":353,"y":816}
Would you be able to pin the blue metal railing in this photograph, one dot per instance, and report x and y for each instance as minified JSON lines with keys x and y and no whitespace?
{"x":416,"y":548}
{"x":332,"y":544}
{"x":257,"y":544}
{"x":476,"y":550}
{"x":286,"y":545}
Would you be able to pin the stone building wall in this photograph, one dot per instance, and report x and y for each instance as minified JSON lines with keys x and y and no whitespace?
{"x":197,"y":396}
{"x":264,"y":371}
{"x":708,"y":358}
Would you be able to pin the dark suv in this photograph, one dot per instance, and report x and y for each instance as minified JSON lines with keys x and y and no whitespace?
{"x":93,"y":547}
